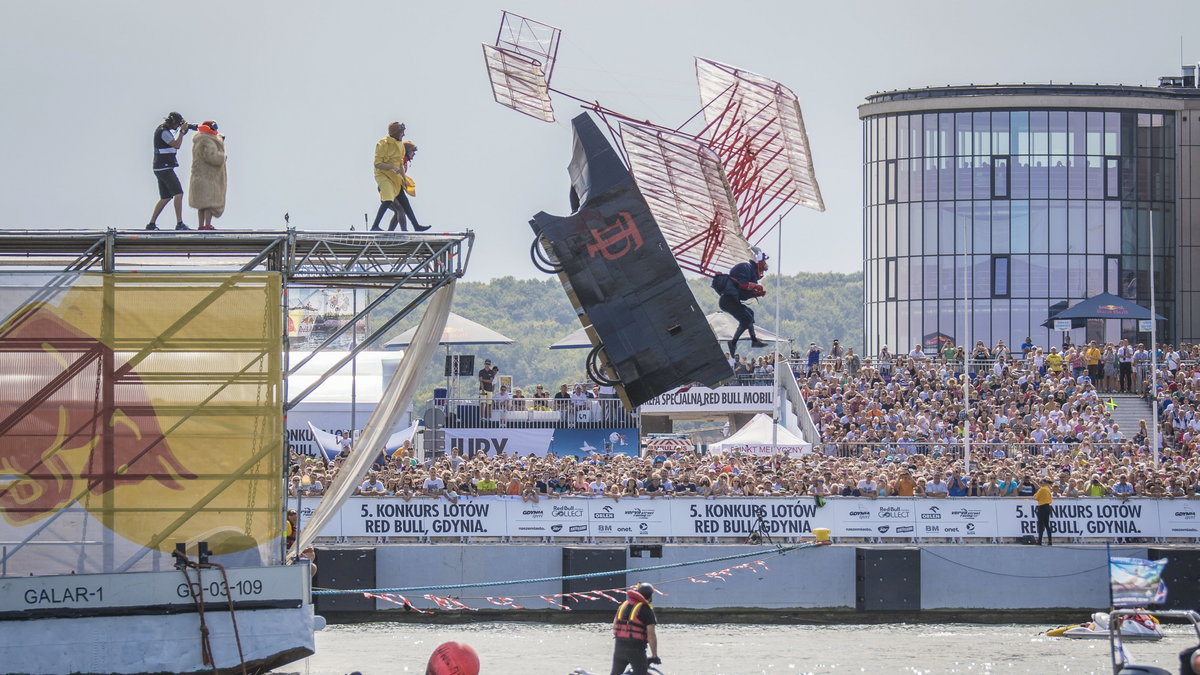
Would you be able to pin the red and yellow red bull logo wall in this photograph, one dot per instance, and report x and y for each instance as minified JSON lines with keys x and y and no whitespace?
{"x":140,"y":411}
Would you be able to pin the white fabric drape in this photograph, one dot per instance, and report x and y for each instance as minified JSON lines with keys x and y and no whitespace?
{"x":395,"y":400}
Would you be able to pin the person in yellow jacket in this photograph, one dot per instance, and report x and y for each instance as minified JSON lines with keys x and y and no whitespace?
{"x":1044,"y":499}
{"x":1092,"y":356}
{"x":389,"y":172}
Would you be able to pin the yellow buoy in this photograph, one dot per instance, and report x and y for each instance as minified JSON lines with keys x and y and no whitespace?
{"x":822,"y":533}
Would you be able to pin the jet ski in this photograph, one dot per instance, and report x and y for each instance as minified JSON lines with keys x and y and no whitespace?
{"x":1132,"y":627}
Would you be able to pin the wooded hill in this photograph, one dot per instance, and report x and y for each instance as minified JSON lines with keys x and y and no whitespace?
{"x":815,"y":307}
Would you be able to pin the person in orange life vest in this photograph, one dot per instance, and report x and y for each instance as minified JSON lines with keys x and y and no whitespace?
{"x":633,"y":630}
{"x":741,"y":284}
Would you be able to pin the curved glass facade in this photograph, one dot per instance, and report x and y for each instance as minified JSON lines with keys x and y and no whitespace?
{"x":1003,"y":217}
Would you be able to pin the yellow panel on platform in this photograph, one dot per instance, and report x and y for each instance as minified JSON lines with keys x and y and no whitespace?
{"x":138,"y":411}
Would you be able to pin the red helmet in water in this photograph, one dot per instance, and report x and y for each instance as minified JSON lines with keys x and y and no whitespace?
{"x":453,"y":658}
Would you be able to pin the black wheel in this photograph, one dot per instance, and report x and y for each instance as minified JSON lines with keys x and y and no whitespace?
{"x":595,"y":372}
{"x":541,"y":260}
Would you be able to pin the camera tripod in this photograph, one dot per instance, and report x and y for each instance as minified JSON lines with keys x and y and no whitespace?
{"x":760,"y":533}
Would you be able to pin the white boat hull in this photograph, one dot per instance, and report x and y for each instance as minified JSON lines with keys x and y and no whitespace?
{"x":146,"y":623}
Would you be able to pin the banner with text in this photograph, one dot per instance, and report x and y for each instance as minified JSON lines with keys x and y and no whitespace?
{"x":703,"y":399}
{"x":523,"y":441}
{"x":737,"y":517}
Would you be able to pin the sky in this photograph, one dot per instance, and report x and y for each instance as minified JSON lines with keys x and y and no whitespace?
{"x":303,"y":89}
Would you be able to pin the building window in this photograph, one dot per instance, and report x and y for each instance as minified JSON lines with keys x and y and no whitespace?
{"x":1000,"y":276}
{"x":1000,"y":177}
{"x":1112,"y":177}
{"x":889,"y":178}
{"x":889,"y":277}
{"x":1112,"y":274}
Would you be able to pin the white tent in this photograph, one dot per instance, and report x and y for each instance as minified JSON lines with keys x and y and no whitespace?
{"x":755,"y":439}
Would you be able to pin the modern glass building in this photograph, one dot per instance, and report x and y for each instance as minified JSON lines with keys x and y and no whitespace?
{"x":989,"y":208}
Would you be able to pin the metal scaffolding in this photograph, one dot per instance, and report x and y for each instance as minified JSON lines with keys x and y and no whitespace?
{"x":50,"y":263}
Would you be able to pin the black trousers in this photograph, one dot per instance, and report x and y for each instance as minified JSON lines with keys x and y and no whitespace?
{"x":1043,"y":523}
{"x":628,"y":655}
{"x":738,"y":310}
{"x":405,"y":208}
{"x":1126,"y":376}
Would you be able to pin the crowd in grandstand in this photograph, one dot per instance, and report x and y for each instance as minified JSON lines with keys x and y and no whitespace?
{"x":891,"y":425}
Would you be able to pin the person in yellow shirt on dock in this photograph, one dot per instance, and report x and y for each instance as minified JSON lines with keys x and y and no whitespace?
{"x":1044,"y":499}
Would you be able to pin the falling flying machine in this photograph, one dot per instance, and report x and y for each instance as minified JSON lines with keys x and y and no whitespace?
{"x":708,"y":196}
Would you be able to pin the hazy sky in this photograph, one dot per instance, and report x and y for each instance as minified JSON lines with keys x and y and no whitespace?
{"x":303,"y":89}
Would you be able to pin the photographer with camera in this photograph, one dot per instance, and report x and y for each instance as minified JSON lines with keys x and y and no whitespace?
{"x":166,"y":144}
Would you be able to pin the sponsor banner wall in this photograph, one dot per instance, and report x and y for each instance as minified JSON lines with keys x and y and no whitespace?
{"x":491,"y":441}
{"x":630,"y":517}
{"x":1092,"y":518}
{"x":735,"y":518}
{"x":703,"y":399}
{"x":368,"y":517}
{"x":779,"y":518}
{"x":524,"y":441}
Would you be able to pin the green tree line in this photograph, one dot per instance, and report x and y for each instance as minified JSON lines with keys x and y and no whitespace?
{"x":814,"y":307}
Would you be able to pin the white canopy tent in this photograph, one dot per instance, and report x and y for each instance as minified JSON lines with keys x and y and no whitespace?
{"x":755,"y":439}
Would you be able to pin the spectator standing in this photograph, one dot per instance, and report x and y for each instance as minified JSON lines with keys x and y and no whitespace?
{"x":937,"y":487}
{"x":853,"y":362}
{"x":168,"y":136}
{"x":1044,"y":499}
{"x":1054,"y":361}
{"x":814,"y":358}
{"x":957,"y":486}
{"x":835,"y":351}
{"x":1027,"y":347}
{"x":487,"y":377}
{"x":1125,"y":364}
{"x":1092,"y":356}
{"x":885,"y":363}
{"x":209,"y":180}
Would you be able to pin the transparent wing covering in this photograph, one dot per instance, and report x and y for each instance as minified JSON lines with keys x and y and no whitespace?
{"x":756,"y":127}
{"x":518,"y":82}
{"x":684,"y":183}
{"x":521,"y":63}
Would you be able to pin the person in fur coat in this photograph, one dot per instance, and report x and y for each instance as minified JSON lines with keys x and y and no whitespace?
{"x":208,"y":181}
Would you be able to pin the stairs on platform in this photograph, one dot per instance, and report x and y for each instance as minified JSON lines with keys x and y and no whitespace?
{"x":1130,"y":410}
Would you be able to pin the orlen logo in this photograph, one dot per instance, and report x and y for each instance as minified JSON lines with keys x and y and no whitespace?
{"x":606,"y":512}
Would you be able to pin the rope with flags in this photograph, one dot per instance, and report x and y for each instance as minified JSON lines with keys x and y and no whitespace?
{"x":560,"y":600}
{"x":397,"y":596}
